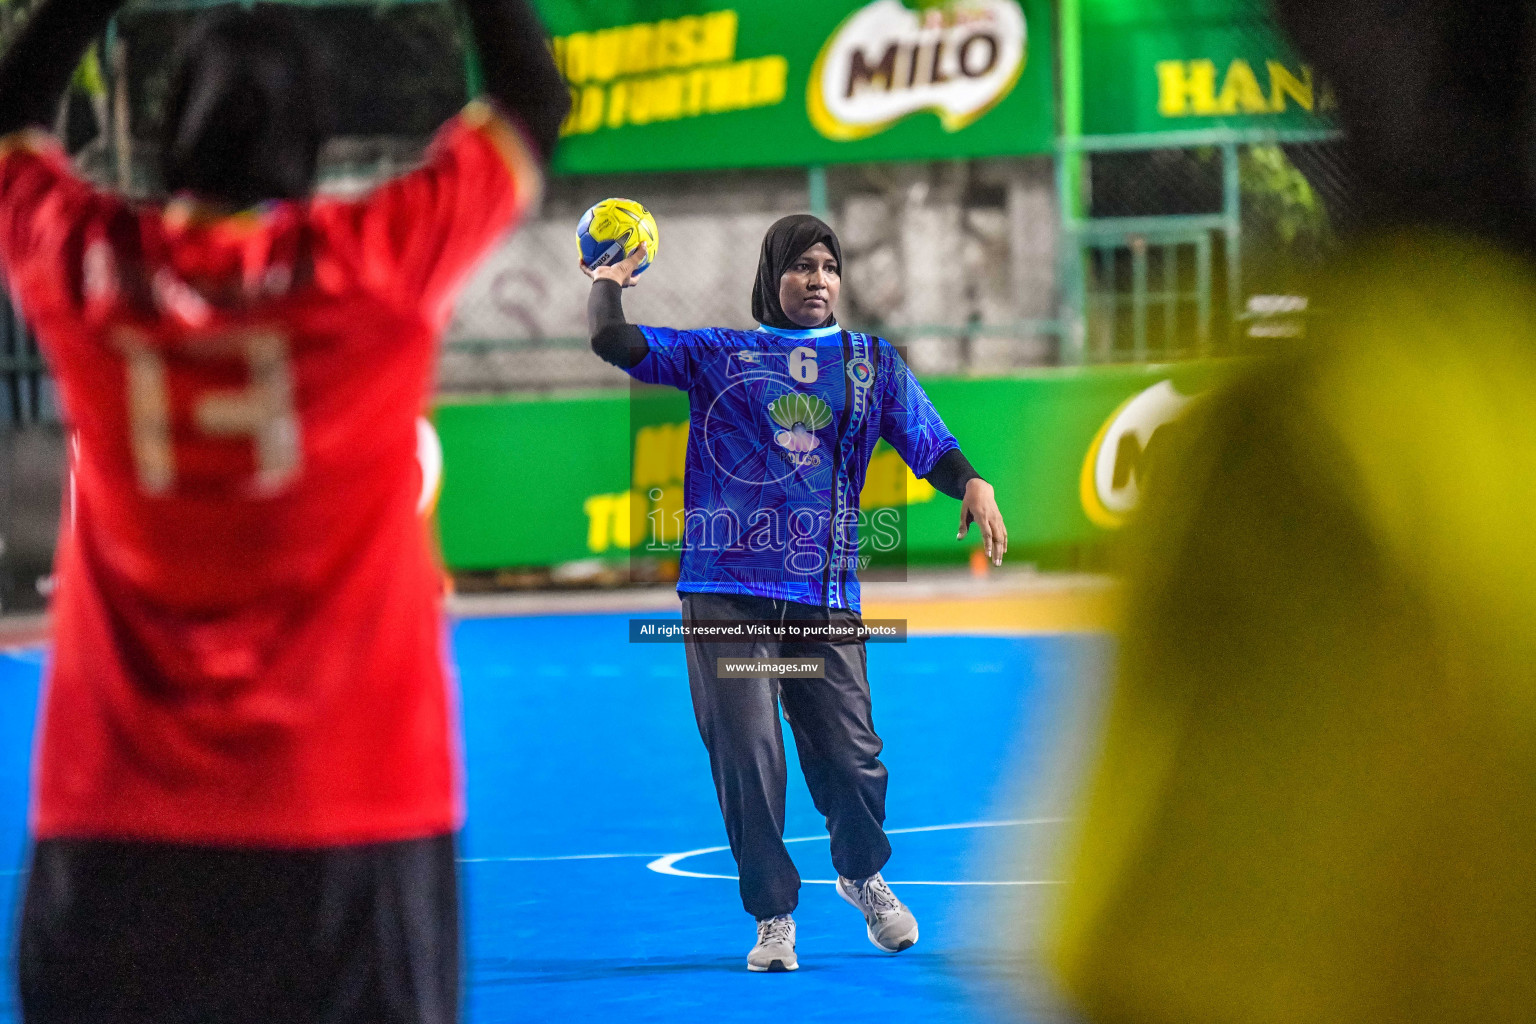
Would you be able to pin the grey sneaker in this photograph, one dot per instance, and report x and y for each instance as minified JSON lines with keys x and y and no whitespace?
{"x":775,"y":949}
{"x":891,"y":925}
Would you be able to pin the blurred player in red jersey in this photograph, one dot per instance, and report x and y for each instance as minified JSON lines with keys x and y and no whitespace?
{"x":247,"y":777}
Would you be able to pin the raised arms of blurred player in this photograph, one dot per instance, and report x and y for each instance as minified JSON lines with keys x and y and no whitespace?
{"x":519,"y":75}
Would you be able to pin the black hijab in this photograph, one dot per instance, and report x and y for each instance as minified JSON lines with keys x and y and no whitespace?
{"x":786,"y":240}
{"x":246,"y":114}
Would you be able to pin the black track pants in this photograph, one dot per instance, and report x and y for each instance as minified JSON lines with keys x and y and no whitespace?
{"x":153,"y":933}
{"x":834,"y":734}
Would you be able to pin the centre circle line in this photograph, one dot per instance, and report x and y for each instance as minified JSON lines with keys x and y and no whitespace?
{"x":667,"y":865}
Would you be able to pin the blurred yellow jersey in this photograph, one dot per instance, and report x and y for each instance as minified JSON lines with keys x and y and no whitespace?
{"x":1315,"y":798}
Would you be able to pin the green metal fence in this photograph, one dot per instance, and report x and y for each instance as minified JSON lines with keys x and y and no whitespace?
{"x":1169,"y":272}
{"x":1162,"y":253}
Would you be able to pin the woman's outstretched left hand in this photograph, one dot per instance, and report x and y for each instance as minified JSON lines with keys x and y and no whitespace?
{"x":980,"y":506}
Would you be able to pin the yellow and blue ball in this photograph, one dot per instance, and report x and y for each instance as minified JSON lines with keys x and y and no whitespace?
{"x":613,"y":229}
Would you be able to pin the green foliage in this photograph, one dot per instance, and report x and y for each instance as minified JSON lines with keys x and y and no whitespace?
{"x":1277,"y":196}
{"x":89,"y":79}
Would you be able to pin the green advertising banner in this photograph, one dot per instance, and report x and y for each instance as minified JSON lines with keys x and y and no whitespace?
{"x":541,"y":481}
{"x":697,"y":84}
{"x":1174,"y":65}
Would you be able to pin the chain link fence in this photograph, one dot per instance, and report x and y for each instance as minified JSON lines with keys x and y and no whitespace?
{"x":1185,"y":249}
{"x":955,"y":261}
{"x":1204,"y":249}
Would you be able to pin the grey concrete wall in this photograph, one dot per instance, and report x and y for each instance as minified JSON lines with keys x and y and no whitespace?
{"x":947,"y":258}
{"x":965,"y":246}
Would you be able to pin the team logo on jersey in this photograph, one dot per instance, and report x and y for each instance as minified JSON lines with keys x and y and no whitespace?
{"x":860,"y":372}
{"x":746,"y":355}
{"x":800,"y":416}
{"x":1110,"y":484}
{"x":891,"y":59}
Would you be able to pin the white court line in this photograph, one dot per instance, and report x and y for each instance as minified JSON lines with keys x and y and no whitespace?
{"x":663,"y":863}
{"x":668,"y":865}
{"x":472,"y":860}
{"x":567,"y":856}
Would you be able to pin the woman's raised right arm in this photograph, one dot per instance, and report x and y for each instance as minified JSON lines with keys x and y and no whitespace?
{"x":615,"y":339}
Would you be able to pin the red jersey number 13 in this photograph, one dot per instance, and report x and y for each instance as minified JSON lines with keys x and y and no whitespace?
{"x":263,"y":410}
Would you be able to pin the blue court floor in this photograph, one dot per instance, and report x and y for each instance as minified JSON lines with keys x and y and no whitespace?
{"x":594,"y":845}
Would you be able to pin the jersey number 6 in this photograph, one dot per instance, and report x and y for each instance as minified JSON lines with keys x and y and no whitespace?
{"x":802,"y":365}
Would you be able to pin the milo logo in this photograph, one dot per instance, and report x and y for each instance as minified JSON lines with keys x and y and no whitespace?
{"x":888,"y":60}
{"x":1116,"y":464}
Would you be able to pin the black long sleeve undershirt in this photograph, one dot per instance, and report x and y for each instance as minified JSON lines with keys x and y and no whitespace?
{"x":519,"y":72}
{"x":613,"y":338}
{"x":951,"y":473}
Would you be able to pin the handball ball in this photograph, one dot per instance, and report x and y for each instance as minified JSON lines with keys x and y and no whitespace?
{"x":613,"y":229}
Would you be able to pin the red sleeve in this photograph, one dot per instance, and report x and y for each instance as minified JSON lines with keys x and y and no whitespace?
{"x":44,"y":207}
{"x":419,"y":235}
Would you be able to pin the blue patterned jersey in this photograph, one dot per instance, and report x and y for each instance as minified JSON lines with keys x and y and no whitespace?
{"x":781,"y":428}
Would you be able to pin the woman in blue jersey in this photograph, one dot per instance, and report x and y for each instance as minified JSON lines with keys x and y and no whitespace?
{"x":783,"y":420}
